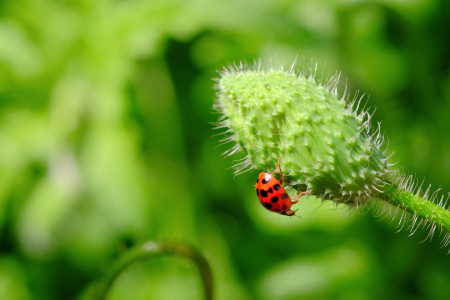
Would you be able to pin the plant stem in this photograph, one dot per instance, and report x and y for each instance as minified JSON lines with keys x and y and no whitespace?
{"x":424,"y":211}
{"x":150,"y":250}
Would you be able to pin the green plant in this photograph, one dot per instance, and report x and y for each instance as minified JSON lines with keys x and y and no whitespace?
{"x":151,"y":250}
{"x":327,"y":143}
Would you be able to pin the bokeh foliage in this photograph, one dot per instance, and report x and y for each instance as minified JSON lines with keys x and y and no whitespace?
{"x":105,"y":143}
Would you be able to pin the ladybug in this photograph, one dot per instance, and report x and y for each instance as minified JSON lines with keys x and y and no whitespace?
{"x":272,"y":195}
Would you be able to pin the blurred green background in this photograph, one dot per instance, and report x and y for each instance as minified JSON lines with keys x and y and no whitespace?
{"x":106,"y":143}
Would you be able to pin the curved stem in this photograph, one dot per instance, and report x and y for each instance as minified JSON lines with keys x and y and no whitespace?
{"x":154,"y":249}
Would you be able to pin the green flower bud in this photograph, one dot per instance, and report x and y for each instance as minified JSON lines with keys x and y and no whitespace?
{"x":326,"y":147}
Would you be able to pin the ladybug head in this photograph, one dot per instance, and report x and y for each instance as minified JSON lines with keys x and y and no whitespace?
{"x":289,"y":213}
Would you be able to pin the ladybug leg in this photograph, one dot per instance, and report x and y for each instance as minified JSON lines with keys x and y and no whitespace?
{"x":279,"y":171}
{"x":279,"y":168}
{"x":295,"y":200}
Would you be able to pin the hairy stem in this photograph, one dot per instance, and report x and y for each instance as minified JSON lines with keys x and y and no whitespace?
{"x":424,"y":212}
{"x":152,"y":250}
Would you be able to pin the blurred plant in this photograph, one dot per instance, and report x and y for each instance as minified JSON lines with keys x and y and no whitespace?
{"x":328,"y":146}
{"x":151,"y":250}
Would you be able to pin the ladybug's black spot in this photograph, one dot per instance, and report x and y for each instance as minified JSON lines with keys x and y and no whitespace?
{"x":284,"y":196}
{"x":268,"y":205}
{"x":274,"y":199}
{"x":257,"y":180}
{"x":270,"y":191}
{"x":276,"y":209}
{"x":263,"y":193}
{"x":276,"y":187}
{"x":283,"y":207}
{"x":263,"y":181}
{"x":257,"y":192}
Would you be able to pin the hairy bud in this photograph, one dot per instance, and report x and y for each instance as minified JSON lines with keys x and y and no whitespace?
{"x":327,"y":147}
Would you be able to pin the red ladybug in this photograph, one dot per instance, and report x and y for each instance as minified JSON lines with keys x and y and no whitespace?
{"x":272,"y":195}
